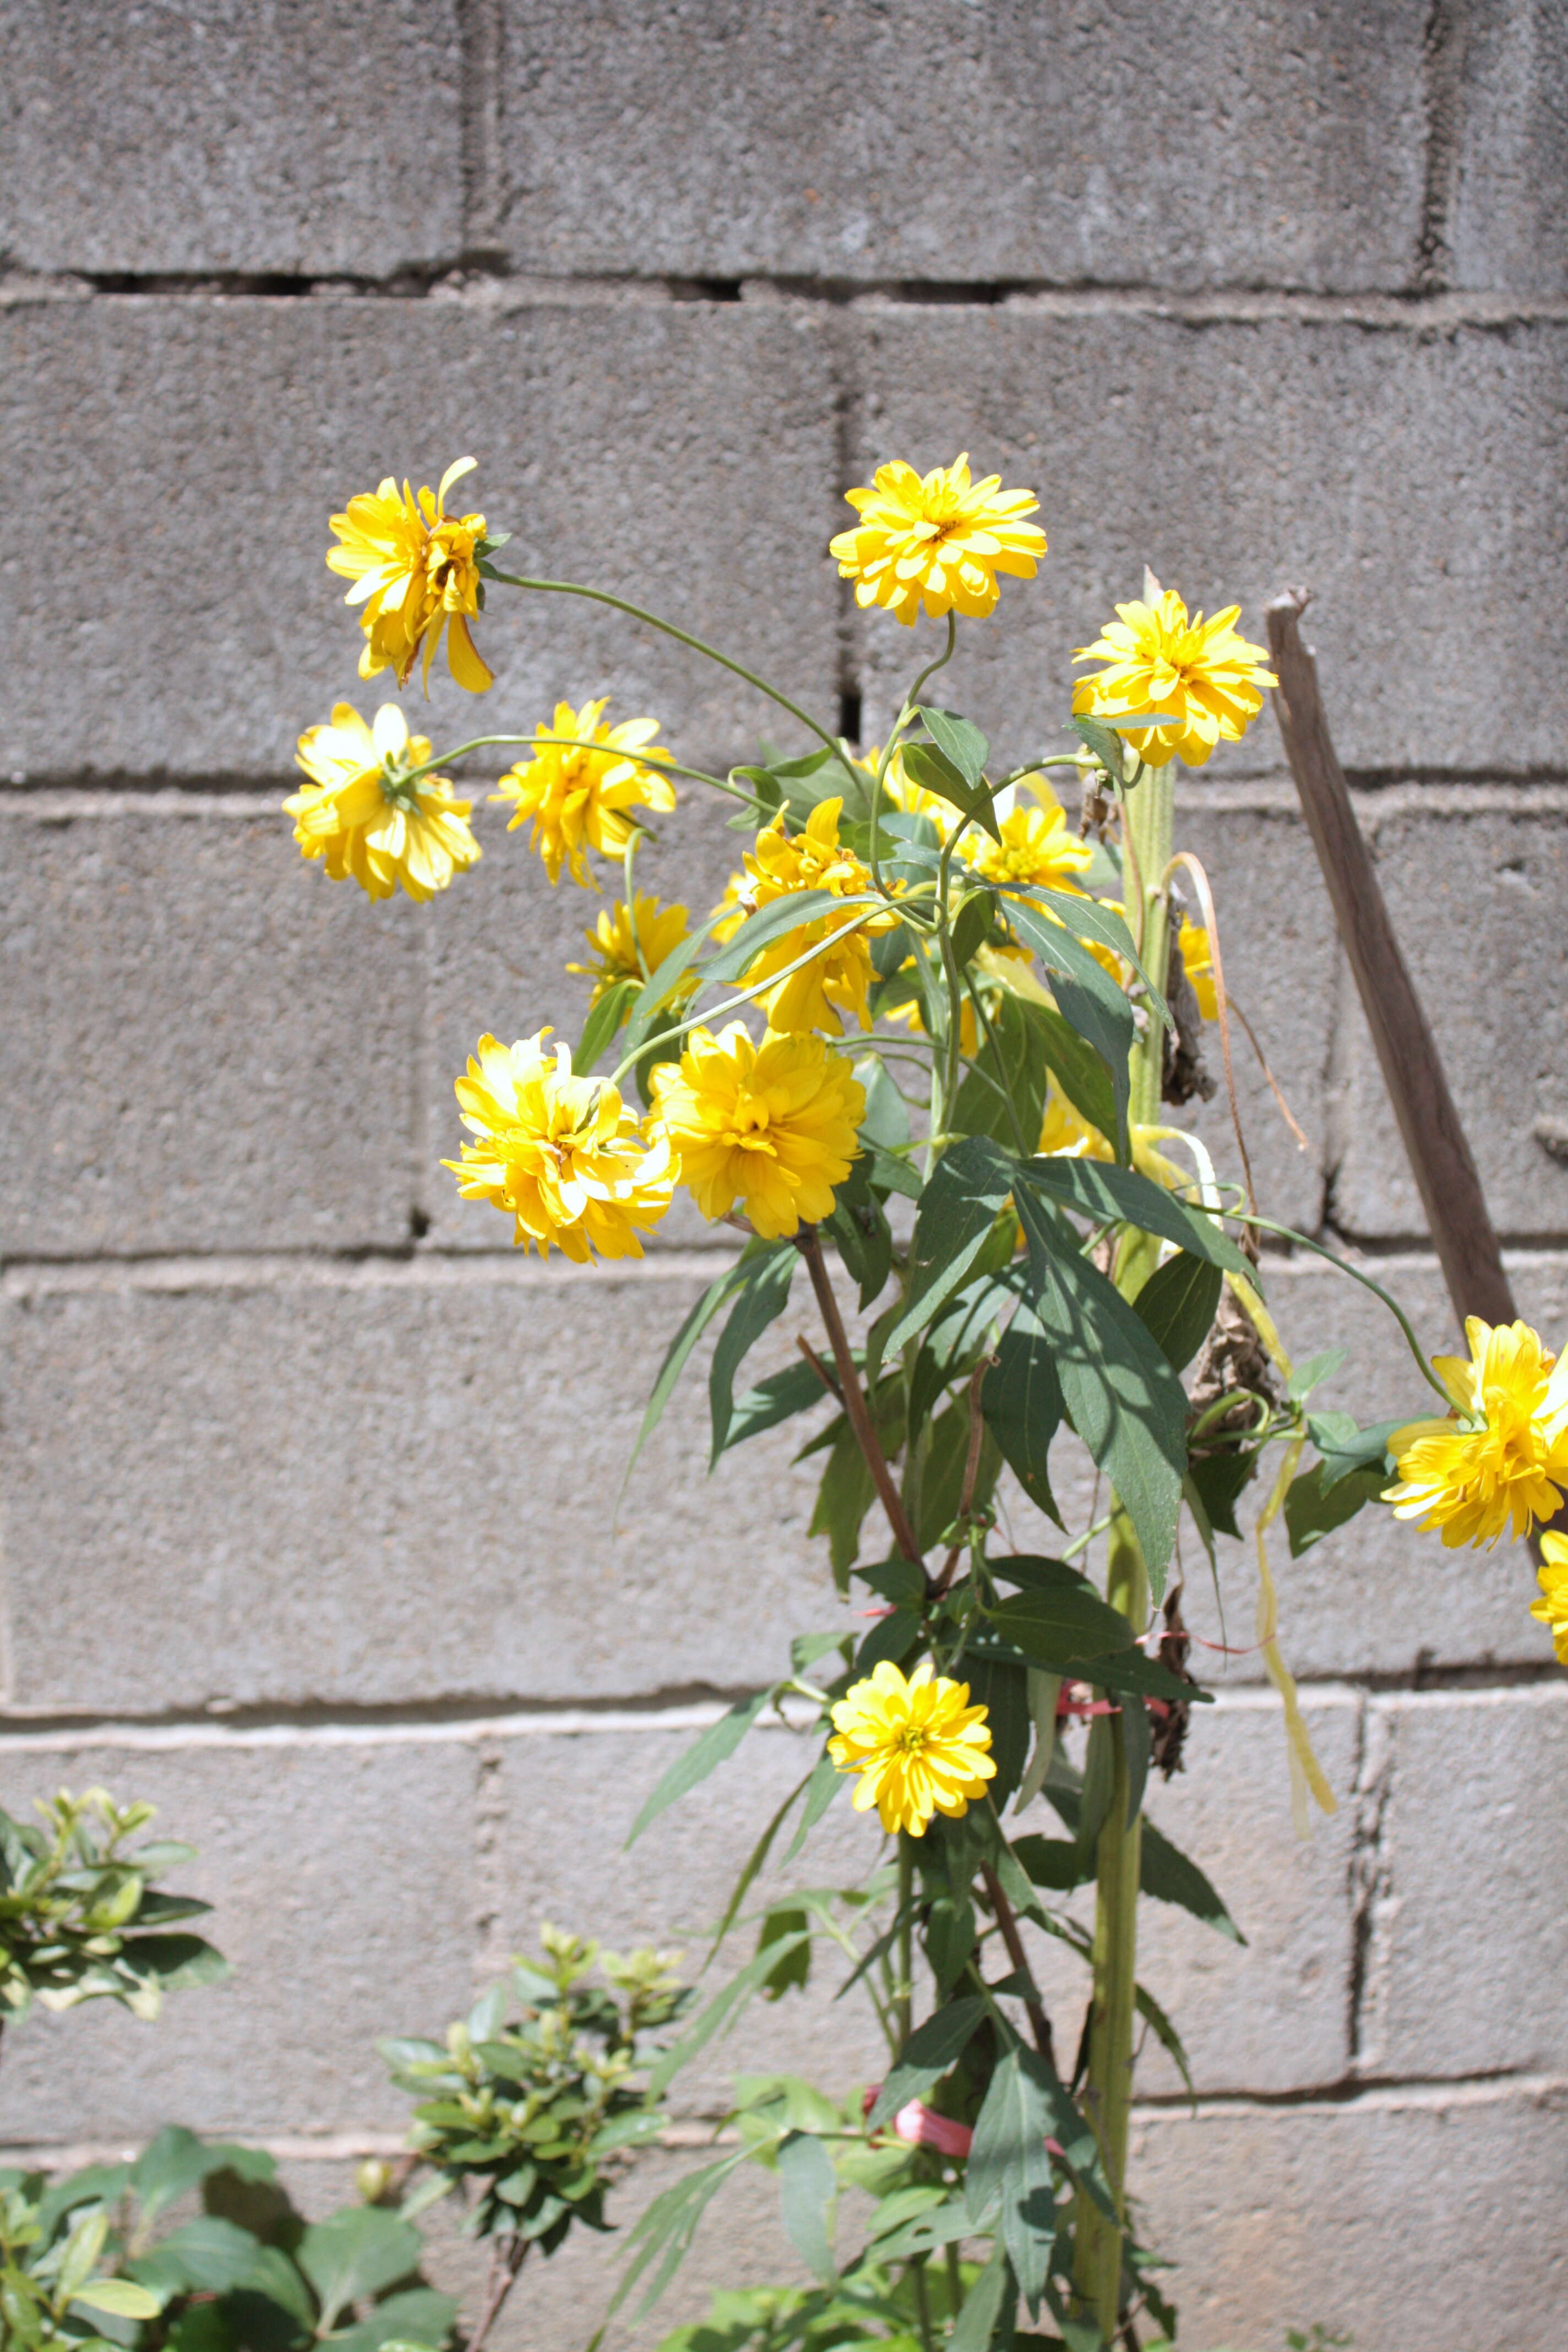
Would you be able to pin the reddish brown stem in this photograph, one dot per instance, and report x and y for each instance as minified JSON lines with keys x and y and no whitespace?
{"x":1006,"y":1919}
{"x":810,"y":1247}
{"x":818,"y":1367}
{"x":506,"y":2260}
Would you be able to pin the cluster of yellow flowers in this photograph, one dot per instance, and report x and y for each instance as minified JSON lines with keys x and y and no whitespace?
{"x":770,"y":1126}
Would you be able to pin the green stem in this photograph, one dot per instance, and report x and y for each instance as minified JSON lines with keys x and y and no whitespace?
{"x":541,"y":739}
{"x":1149,"y":819}
{"x":697,"y":645}
{"x":903,"y":720}
{"x":906,"y":1986}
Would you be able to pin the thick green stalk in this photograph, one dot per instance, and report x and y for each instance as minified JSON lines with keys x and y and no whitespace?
{"x":1097,"y":2265}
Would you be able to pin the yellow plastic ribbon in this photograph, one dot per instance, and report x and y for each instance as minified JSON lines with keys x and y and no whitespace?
{"x":1307,"y":1774}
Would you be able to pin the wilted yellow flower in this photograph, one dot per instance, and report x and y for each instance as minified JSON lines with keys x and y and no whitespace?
{"x":1210,"y":680}
{"x":1553,"y":1607}
{"x":1197,"y":962}
{"x":578,"y":799}
{"x":814,"y":859}
{"x":414,"y":568}
{"x":1066,"y":1134}
{"x":561,"y":1156}
{"x":919,"y":1747}
{"x":941,"y":542}
{"x":617,"y":938}
{"x":1036,"y":848}
{"x":1499,"y":1462}
{"x":771,"y":1126}
{"x":363,"y":814}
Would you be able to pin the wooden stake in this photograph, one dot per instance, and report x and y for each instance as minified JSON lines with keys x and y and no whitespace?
{"x":1439,"y":1156}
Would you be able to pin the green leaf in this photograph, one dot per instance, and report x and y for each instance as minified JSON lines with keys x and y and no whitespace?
{"x":664,"y":977}
{"x":762,"y":1300}
{"x":1345,"y":1447}
{"x":1078,"y":1070}
{"x":1002,"y":1689}
{"x":356,"y":2253}
{"x":970,"y":926}
{"x":957,"y":1208}
{"x":1006,"y":1081}
{"x":891,"y":1637}
{"x":605,"y":1017}
{"x":121,"y":2297}
{"x":1314,"y":1508}
{"x":1219,"y":1480}
{"x":1010,"y":2166}
{"x":1314,"y":1372}
{"x":1058,"y":1620}
{"x":212,"y":2255}
{"x":83,"y":2250}
{"x":778,"y":1398}
{"x":675,"y":1355}
{"x":776,"y":921}
{"x":1166,"y":2035}
{"x":979,"y":2325}
{"x":933,"y":771}
{"x":707,"y":1752}
{"x":1095,"y":1190}
{"x":1104,"y":741}
{"x":1087,"y":995}
{"x":807,"y":2187}
{"x":1178,"y":1305}
{"x":1166,"y":1872}
{"x":663,"y":2232}
{"x":419,"y":2316}
{"x":943,"y":1472}
{"x":820,"y":1790}
{"x":932,"y":2049}
{"x":863,"y":1240}
{"x":886,"y":1122}
{"x":1125,"y":1402}
{"x":959,"y":741}
{"x":1021,"y":1398}
{"x":722,"y":2008}
{"x":1060,"y":1864}
{"x":847,"y":1492}
{"x":176,"y":1963}
{"x":754,"y":1862}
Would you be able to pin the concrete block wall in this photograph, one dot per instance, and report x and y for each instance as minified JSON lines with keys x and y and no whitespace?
{"x":306,"y":1478}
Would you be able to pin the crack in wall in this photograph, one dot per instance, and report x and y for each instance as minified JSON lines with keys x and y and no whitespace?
{"x":1371,"y":1891}
{"x":1443,"y":64}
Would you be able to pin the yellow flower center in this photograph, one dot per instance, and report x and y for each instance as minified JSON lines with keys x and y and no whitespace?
{"x":912,"y":1739}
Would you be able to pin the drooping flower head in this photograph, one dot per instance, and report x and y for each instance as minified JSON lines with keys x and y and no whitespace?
{"x":939,"y":541}
{"x":1197,"y":962}
{"x":917,"y":1746}
{"x":368,"y":817}
{"x":561,"y":1156}
{"x":1210,"y":680}
{"x":1552,"y":1606}
{"x":771,"y":1125}
{"x":414,"y":568}
{"x":1500,"y":1462}
{"x":631,"y":943}
{"x":579,"y":798}
{"x":1038,"y":848}
{"x":814,"y":859}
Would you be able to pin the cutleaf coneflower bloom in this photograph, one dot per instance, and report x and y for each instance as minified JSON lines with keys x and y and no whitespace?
{"x":630,"y":943}
{"x":416,"y":570}
{"x":578,"y":798}
{"x":937,"y":542}
{"x":369,"y":816}
{"x":1552,"y":1606}
{"x":771,"y":1125}
{"x":838,"y":979}
{"x":1500,"y":1462}
{"x":1038,"y":849}
{"x":560,"y":1155}
{"x":917,"y":1746}
{"x":1209,"y":680}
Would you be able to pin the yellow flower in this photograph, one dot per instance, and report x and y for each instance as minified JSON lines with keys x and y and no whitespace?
{"x":1209,"y":680}
{"x":941,"y":542}
{"x":919,"y":1747}
{"x":579,"y":799}
{"x":414,"y":568}
{"x":771,"y":1126}
{"x":1036,"y":849}
{"x":560,"y":1155}
{"x":361,"y":813}
{"x":1553,"y":1607}
{"x":1197,"y":961}
{"x":1498,"y":1461}
{"x":842,"y":974}
{"x":617,"y":938}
